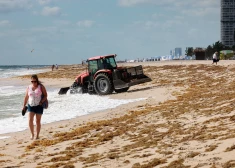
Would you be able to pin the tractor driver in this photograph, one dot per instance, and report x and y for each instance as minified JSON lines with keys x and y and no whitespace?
{"x":106,"y":64}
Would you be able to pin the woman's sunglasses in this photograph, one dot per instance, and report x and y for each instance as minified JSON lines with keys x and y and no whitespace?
{"x":33,"y":81}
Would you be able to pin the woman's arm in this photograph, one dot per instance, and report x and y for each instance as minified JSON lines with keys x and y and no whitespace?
{"x":26,"y":98}
{"x":44,"y":92}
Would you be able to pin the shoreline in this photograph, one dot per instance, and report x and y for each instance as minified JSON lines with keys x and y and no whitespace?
{"x":53,"y":83}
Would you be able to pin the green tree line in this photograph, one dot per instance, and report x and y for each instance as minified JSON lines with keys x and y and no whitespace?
{"x":211,"y":49}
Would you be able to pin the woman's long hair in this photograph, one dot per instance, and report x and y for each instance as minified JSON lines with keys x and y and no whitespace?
{"x":36,"y":78}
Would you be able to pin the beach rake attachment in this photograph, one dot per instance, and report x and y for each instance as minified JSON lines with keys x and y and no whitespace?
{"x":63,"y":90}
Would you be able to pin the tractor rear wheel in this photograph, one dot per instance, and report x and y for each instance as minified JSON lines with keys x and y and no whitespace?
{"x":103,"y":84}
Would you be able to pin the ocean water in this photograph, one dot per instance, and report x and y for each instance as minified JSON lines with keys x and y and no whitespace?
{"x":7,"y":71}
{"x":61,"y":107}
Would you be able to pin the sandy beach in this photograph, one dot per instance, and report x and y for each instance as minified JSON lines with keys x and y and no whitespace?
{"x":186,"y":119}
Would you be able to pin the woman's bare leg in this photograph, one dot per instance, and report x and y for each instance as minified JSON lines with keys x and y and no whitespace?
{"x":38,"y":124}
{"x":31,"y":127}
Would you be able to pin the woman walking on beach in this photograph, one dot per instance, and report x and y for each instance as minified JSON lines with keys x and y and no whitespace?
{"x":34,"y":98}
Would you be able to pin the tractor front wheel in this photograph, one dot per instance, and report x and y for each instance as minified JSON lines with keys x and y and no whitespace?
{"x":103,"y":84}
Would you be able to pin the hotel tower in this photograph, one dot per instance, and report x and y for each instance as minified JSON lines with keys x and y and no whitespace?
{"x":227,"y":19}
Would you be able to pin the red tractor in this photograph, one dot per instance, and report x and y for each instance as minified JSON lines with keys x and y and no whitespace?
{"x":103,"y":77}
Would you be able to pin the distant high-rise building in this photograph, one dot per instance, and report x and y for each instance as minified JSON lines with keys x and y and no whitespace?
{"x":172,"y":52}
{"x":227,"y":20}
{"x":178,"y":52}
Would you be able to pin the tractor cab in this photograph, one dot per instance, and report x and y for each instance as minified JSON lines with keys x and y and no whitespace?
{"x":101,"y":63}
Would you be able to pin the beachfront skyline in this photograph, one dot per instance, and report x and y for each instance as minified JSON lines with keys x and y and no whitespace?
{"x":67,"y":32}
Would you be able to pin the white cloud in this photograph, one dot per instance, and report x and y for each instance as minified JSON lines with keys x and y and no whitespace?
{"x":193,"y":3}
{"x":30,"y":32}
{"x":62,"y":22}
{"x":200,"y":3}
{"x":187,"y":7}
{"x":157,"y":15}
{"x":4,"y":23}
{"x":146,"y":25}
{"x":151,"y":24}
{"x":206,"y":3}
{"x":44,"y":2}
{"x":193,"y":33}
{"x":51,"y":11}
{"x":14,"y":5}
{"x":179,"y":17}
{"x":50,"y":29}
{"x":35,"y":12}
{"x":85,"y":23}
{"x":171,"y":23}
{"x":132,"y":2}
{"x":201,"y":11}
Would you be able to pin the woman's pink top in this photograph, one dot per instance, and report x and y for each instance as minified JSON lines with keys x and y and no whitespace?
{"x":34,"y":96}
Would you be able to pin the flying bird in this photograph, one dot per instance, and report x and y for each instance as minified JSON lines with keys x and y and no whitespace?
{"x":32,"y":50}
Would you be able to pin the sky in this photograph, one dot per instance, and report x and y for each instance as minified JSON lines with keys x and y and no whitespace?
{"x":69,"y":31}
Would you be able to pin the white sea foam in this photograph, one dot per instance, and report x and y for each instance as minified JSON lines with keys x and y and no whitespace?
{"x":19,"y":72}
{"x":4,"y":137}
{"x":63,"y":107}
{"x":11,"y":90}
